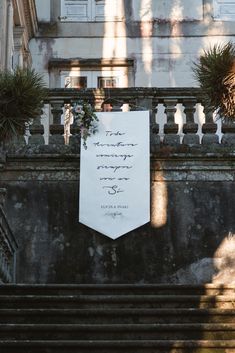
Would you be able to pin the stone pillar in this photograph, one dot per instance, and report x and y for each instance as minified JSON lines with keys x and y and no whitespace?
{"x":171,"y":128}
{"x":18,"y":58}
{"x":190,"y":128}
{"x":98,"y":104}
{"x":9,"y":35}
{"x":56,"y":128}
{"x":154,"y":132}
{"x":75,"y":136}
{"x":151,"y":105}
{"x":228,"y":129}
{"x":37,"y":131}
{"x":209,"y":130}
{"x":6,"y":34}
{"x":2,"y":34}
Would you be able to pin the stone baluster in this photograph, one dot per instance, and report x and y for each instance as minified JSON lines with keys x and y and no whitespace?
{"x":133,"y":104}
{"x":17,"y":140}
{"x":171,"y":128}
{"x":92,"y":102}
{"x":104,"y":105}
{"x":154,"y":133}
{"x":56,"y":128}
{"x":98,"y":104}
{"x":75,"y":137}
{"x":116,"y":105}
{"x":190,"y":128}
{"x":67,"y":123}
{"x":37,"y":131}
{"x":209,"y":129}
{"x":151,"y":105}
{"x":228,"y":130}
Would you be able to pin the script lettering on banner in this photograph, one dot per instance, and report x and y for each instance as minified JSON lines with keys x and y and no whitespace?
{"x":115,"y":174}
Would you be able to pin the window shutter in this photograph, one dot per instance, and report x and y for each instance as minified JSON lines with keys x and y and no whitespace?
{"x":75,"y":10}
{"x":98,"y":10}
{"x":108,"y":10}
{"x":107,"y":82}
{"x":224,"y":10}
{"x":91,"y":10}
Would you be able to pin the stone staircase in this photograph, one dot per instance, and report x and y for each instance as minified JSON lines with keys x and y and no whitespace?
{"x":117,"y":318}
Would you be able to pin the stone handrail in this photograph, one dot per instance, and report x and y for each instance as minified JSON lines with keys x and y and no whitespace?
{"x":8,"y":245}
{"x":192,"y":130}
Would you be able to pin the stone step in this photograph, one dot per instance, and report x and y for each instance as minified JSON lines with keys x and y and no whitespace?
{"x":117,"y":318}
{"x":129,"y":346}
{"x":112,"y":316}
{"x":98,"y":289}
{"x":121,"y":301}
{"x":118,"y":332}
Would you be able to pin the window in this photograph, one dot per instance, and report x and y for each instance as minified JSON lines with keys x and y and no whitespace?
{"x":107,"y":82}
{"x":91,"y":73}
{"x":92,"y":79}
{"x":76,"y":82}
{"x":224,"y":10}
{"x":89,"y":10}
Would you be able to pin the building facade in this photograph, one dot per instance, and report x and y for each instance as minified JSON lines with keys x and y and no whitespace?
{"x":88,"y":43}
{"x":119,"y":43}
{"x":112,"y":43}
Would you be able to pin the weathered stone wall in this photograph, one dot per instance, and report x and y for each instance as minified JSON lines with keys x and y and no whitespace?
{"x":8,"y":244}
{"x":191,"y":237}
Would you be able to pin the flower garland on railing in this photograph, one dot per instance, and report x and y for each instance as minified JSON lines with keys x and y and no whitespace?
{"x":85,"y":119}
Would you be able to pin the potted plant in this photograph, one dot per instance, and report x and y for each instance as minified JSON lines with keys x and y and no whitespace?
{"x":21,"y":94}
{"x":215,"y":72}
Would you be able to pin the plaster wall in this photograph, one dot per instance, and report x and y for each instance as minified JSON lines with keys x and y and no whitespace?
{"x":163,"y":38}
{"x":43,"y":8}
{"x":158,"y":61}
{"x":174,"y":10}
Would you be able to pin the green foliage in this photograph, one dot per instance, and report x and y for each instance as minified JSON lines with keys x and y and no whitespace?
{"x":21,"y":96}
{"x":215,"y":73}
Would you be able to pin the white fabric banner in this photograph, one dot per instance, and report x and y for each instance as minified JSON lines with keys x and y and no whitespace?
{"x":115,"y":174}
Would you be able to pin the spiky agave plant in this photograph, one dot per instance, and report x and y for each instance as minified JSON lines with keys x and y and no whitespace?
{"x":21,"y":96}
{"x":215,"y":73}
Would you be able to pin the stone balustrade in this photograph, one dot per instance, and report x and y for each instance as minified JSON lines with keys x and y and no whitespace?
{"x":8,"y":245}
{"x":192,"y":229}
{"x":177,"y":115}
